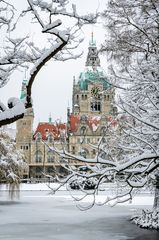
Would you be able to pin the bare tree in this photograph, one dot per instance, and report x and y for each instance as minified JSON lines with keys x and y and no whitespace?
{"x":61,"y":43}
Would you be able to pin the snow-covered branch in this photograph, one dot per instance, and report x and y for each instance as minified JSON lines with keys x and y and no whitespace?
{"x":128,"y":157}
{"x":61,"y":40}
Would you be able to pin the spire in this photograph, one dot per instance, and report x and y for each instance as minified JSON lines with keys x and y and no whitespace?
{"x":74,"y":80}
{"x":92,"y":57}
{"x":92,"y":42}
{"x":92,"y":37}
{"x":23,"y":90}
{"x":50,"y":118}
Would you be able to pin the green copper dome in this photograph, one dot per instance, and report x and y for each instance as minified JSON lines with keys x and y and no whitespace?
{"x":92,"y":76}
{"x":23,"y":90}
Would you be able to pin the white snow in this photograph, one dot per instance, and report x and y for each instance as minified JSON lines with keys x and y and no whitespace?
{"x":17,"y":109}
{"x":145,"y":198}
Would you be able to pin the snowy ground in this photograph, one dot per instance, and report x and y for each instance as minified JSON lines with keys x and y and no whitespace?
{"x":143,"y":198}
{"x":38,"y":215}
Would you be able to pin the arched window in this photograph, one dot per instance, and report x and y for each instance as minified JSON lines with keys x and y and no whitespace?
{"x":50,"y":138}
{"x":38,"y":156}
{"x":96,"y":106}
{"x":103,"y":131}
{"x":83,"y":130}
{"x":83,"y":119}
{"x":50,"y":156}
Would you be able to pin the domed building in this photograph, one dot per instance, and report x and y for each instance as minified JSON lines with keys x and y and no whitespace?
{"x":92,"y":106}
{"x":92,"y":110}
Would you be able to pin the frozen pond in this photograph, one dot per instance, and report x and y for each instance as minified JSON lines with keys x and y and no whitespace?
{"x":39,"y":216}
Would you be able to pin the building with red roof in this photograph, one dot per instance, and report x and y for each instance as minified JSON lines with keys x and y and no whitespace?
{"x":93,"y":115}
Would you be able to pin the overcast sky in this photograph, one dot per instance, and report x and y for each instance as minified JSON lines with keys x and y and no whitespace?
{"x":52,"y":90}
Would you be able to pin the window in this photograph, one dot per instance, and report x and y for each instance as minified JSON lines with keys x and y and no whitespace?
{"x":50,"y":138}
{"x":38,"y":137}
{"x":83,"y":119}
{"x":73,"y":149}
{"x":103,"y":131}
{"x":50,"y":156}
{"x":38,"y":156}
{"x":39,"y":171}
{"x":107,"y":97}
{"x":88,"y":140}
{"x":95,"y":106}
{"x":82,"y":97}
{"x":83,"y":130}
{"x":50,"y":169}
{"x":93,"y":151}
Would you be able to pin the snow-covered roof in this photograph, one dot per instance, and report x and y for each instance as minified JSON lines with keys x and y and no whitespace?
{"x":93,"y":122}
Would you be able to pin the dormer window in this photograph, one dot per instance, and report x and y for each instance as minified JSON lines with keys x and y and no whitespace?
{"x":62,"y":137}
{"x":83,"y":130}
{"x":38,"y":137}
{"x":50,"y":138}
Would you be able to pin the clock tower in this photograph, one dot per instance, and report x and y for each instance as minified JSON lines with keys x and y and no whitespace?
{"x":92,"y":93}
{"x":93,"y":107}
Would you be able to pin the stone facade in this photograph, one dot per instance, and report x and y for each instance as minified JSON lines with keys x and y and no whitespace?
{"x":92,"y":110}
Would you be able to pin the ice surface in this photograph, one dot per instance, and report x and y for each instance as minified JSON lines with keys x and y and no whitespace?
{"x":38,"y":216}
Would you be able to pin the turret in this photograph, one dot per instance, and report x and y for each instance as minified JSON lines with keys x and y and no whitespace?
{"x":24,"y":126}
{"x":92,"y":57}
{"x":92,"y":94}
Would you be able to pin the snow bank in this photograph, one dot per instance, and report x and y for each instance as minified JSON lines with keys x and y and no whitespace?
{"x":147,"y":219}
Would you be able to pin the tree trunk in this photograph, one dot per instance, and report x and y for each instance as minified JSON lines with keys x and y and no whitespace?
{"x":156,"y":199}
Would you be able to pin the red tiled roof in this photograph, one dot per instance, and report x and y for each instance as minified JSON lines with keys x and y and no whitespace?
{"x":74,"y":121}
{"x":55,"y":129}
{"x":92,"y":121}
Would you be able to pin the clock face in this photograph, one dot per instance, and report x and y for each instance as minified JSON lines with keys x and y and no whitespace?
{"x":95,"y":91}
